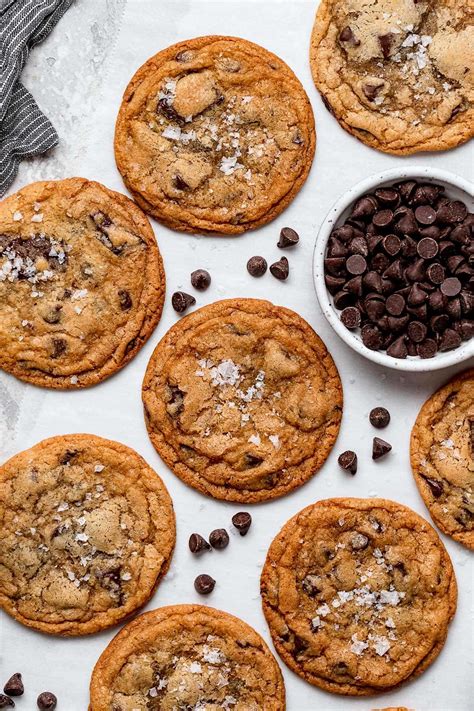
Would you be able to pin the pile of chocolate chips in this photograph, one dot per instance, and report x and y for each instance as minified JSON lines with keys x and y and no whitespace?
{"x":401,"y":268}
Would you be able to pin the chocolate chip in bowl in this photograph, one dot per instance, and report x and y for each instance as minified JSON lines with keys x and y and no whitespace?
{"x":394,"y":269}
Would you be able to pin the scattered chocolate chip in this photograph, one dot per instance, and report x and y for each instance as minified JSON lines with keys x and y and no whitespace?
{"x":348,"y":36}
{"x":14,"y":686}
{"x":380,"y":448}
{"x":59,"y":347}
{"x":379,"y":417}
{"x":242,"y":521}
{"x":6,"y":702}
{"x":204,"y":584}
{"x":386,"y":44}
{"x":200,"y":279}
{"x":125,"y":300}
{"x":219,"y":538}
{"x":450,"y":286}
{"x":198,"y":544}
{"x":350,"y":317}
{"x":288,"y":238}
{"x":46,"y":701}
{"x":182,"y":301}
{"x":312,"y":584}
{"x":348,"y":461}
{"x":257,"y":266}
{"x":179,"y":183}
{"x":280,"y":269}
{"x":435,"y":486}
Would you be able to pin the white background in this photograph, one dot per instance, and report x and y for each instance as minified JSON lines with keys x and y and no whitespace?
{"x":78,"y":76}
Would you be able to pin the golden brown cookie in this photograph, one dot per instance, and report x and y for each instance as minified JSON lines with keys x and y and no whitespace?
{"x":242,"y":400}
{"x":87,"y":533}
{"x":214,"y":134}
{"x":358,"y":595}
{"x":397,"y":74}
{"x":187,"y":657}
{"x":442,"y":457}
{"x":81,"y":283}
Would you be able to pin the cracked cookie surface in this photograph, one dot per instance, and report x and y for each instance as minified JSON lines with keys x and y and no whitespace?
{"x":442,"y":457}
{"x":87,"y":533}
{"x":397,"y":74}
{"x":358,"y":594}
{"x":214,"y":134}
{"x":242,"y":400}
{"x":81,"y":283}
{"x":187,"y":657}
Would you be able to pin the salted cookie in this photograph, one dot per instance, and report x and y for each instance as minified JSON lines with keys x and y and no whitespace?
{"x":442,"y":457}
{"x":397,"y":74}
{"x":87,"y":532}
{"x":187,"y":657}
{"x":81,"y":283}
{"x":242,"y":400}
{"x":215,"y":134}
{"x":358,"y":594}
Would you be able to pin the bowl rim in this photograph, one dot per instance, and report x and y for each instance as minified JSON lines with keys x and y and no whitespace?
{"x":411,"y":363}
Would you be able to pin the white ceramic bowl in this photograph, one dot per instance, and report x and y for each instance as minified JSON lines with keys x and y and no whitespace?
{"x":456,"y":188}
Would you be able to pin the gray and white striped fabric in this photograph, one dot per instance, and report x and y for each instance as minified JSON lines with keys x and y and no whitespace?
{"x":24,"y":129}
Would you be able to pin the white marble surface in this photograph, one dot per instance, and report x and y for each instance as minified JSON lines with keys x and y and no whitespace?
{"x":78,"y":77}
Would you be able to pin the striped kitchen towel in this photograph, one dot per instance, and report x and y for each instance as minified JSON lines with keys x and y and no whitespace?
{"x":24,"y":129}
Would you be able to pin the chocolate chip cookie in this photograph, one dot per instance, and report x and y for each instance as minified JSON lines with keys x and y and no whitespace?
{"x":242,"y":400}
{"x":397,"y":74}
{"x":81,"y":283}
{"x":187,"y":657}
{"x":214,"y":134}
{"x":358,"y":595}
{"x":442,"y":457}
{"x":87,"y":532}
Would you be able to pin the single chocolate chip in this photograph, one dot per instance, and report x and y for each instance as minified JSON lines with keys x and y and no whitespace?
{"x":288,"y":238}
{"x":435,"y":486}
{"x":257,"y":266}
{"x":372,"y":281}
{"x":432,"y":231}
{"x":411,"y":348}
{"x":435,"y":273}
{"x":179,"y":183}
{"x":204,"y":584}
{"x":374,"y":309}
{"x":200,"y":279}
{"x":427,"y":248}
{"x":198,"y":544}
{"x":359,"y":541}
{"x":395,"y":304}
{"x":334,"y":284}
{"x":6,"y":702}
{"x":446,"y":247}
{"x":354,"y":286}
{"x":14,"y":686}
{"x":383,"y":218}
{"x":380,"y":263}
{"x":419,"y":312}
{"x":242,"y":521}
{"x":407,"y":188}
{"x":451,"y":286}
{"x":371,"y":337}
{"x":466,"y":299}
{"x":436,"y":301}
{"x":356,"y":264}
{"x":334,"y":265}
{"x":348,"y":461}
{"x":427,"y":348}
{"x":425,"y":215}
{"x":373,"y":241}
{"x":280,"y":269}
{"x":453,"y":309}
{"x":344,"y":233}
{"x":454,"y":261}
{"x":351,"y":317}
{"x":348,"y":36}
{"x":439,"y":323}
{"x":394,"y":270}
{"x":407,"y":224}
{"x":125,"y":300}
{"x":46,"y":701}
{"x":182,"y":301}
{"x":416,"y":271}
{"x":336,"y":248}
{"x":408,"y":247}
{"x":343,"y":299}
{"x":379,"y":417}
{"x":385,"y":42}
{"x":449,"y":340}
{"x":451,"y":212}
{"x":417,"y":295}
{"x":417,"y":331}
{"x":391,"y":245}
{"x":398,"y":348}
{"x":387,"y":196}
{"x":219,"y":538}
{"x":59,"y":347}
{"x":461,"y":234}
{"x":465,"y":328}
{"x":380,"y":448}
{"x":426,"y":193}
{"x":358,"y":245}
{"x":311,"y":584}
{"x":364,"y":208}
